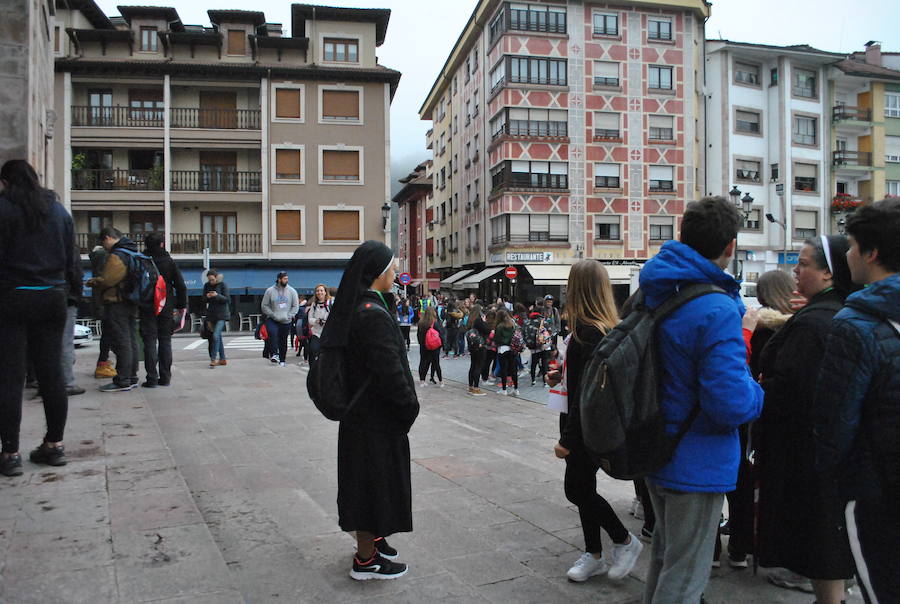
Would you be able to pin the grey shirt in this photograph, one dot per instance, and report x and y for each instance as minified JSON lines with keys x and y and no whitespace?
{"x":280,"y":304}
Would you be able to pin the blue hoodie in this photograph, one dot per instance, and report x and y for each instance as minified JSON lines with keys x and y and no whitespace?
{"x":703,"y":357}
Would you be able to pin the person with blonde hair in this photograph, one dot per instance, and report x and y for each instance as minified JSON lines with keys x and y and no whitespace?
{"x":316,"y":315}
{"x":590,"y":313}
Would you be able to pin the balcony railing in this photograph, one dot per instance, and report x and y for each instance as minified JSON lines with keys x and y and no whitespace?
{"x":218,"y":243}
{"x":661,"y":134}
{"x":532,"y":128}
{"x":846,"y":112}
{"x":605,"y":81}
{"x":527,"y":180}
{"x":117,"y":117}
{"x":216,"y":181}
{"x":843,"y":157}
{"x":606,"y":134}
{"x":117,"y":180}
{"x":216,"y":119}
{"x":87,"y":241}
{"x":662,"y":186}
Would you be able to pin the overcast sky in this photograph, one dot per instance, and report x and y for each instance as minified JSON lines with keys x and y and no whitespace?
{"x":422,"y":32}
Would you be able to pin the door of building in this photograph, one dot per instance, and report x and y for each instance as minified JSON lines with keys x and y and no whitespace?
{"x":219,"y":231}
{"x":218,"y":170}
{"x":218,"y":109}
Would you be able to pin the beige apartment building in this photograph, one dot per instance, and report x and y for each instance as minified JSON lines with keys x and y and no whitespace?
{"x":268,"y":152}
{"x":564,"y":130}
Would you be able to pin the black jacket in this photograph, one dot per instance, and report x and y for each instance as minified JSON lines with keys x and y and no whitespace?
{"x":75,"y":279}
{"x":577,"y":355}
{"x":176,"y":292}
{"x":422,"y":330}
{"x":218,"y":308}
{"x":35,"y":258}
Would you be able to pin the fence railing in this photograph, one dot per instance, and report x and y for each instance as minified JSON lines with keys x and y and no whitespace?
{"x":87,"y":241}
{"x":217,"y":119}
{"x":528,"y":180}
{"x":844,"y":157}
{"x":214,"y":180}
{"x":218,"y":243}
{"x":117,"y":117}
{"x":88,"y":179}
{"x":846,"y":112}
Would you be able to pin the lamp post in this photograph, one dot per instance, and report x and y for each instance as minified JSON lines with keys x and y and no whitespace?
{"x":783,"y":226}
{"x":744,"y":205}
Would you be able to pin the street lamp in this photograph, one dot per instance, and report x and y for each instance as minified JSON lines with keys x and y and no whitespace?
{"x":783,"y":226}
{"x":744,"y":206}
{"x":385,"y":214}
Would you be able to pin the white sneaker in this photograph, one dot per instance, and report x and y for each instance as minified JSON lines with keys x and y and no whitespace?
{"x":422,"y":384}
{"x":440,"y":384}
{"x":639,"y":511}
{"x":502,"y":391}
{"x":586,"y":567}
{"x":282,"y":364}
{"x":516,"y":392}
{"x":274,"y":358}
{"x":624,"y":557}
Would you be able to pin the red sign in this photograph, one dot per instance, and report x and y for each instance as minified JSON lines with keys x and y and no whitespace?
{"x":405,"y":278}
{"x":511,"y":272}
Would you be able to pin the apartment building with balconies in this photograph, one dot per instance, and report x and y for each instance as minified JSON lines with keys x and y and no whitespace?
{"x":865,"y":130}
{"x":573,"y":132}
{"x":768,"y":128}
{"x":264,"y":150}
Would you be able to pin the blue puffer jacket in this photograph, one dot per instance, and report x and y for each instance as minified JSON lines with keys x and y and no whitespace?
{"x":703,"y":358}
{"x":857,"y":404}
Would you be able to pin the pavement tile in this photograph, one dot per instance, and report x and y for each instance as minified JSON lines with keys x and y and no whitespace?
{"x":527,"y":589}
{"x":97,"y":584}
{"x":444,"y":587}
{"x":486,"y":567}
{"x":46,"y":553}
{"x":154,"y":474}
{"x":167,"y":563}
{"x":146,"y":509}
{"x":78,"y":476}
{"x":545,"y":515}
{"x":231,"y":596}
{"x":41,"y":514}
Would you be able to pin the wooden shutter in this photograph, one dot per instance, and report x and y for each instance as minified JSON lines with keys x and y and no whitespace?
{"x":340,"y":225}
{"x":287,"y":103}
{"x":287,"y":225}
{"x":340,"y":165}
{"x":237,"y":42}
{"x":287,"y":164}
{"x":340,"y":104}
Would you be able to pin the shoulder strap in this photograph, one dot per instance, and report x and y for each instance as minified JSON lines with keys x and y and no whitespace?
{"x":895,"y":325}
{"x":684,"y":295}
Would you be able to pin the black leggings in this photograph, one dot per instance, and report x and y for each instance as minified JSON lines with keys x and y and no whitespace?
{"x":432,"y":359}
{"x":538,"y":358}
{"x":404,"y":329}
{"x":33,"y":320}
{"x":595,"y":512}
{"x":476,"y":364}
{"x":509,"y":367}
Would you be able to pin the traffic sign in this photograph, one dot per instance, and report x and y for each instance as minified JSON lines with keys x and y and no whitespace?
{"x":511,"y":272}
{"x":779,"y":189}
{"x":405,"y":278}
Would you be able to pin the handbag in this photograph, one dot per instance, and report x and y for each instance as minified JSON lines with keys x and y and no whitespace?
{"x":205,"y":332}
{"x":558,"y":398}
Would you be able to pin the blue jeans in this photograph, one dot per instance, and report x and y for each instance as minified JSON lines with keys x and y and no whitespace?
{"x":216,"y":345}
{"x":461,"y":341}
{"x":683,"y":542}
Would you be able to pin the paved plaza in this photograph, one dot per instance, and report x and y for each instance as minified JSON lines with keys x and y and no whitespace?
{"x":222,"y":487}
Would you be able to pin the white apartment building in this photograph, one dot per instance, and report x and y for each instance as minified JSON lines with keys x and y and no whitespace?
{"x":768,"y":135}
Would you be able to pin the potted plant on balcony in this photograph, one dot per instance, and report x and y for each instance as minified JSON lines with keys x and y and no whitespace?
{"x":155,"y":182}
{"x":844,"y":202}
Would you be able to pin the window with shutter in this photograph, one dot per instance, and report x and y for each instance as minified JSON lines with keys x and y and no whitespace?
{"x":288,"y":225}
{"x":606,"y":124}
{"x":661,"y":179}
{"x":340,"y":165}
{"x":662,"y":228}
{"x":340,"y":105}
{"x":606,"y":176}
{"x":607,"y":228}
{"x":805,"y":224}
{"x":340,"y":225}
{"x":606,"y":73}
{"x":747,"y":170}
{"x":237,"y":42}
{"x":805,"y":177}
{"x":288,"y":103}
{"x":661,"y":128}
{"x":288,"y":164}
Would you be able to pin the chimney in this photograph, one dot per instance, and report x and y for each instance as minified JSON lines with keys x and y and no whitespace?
{"x":873,"y":53}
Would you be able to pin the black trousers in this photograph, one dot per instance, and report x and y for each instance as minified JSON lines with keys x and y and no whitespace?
{"x":404,"y":329}
{"x":489,"y":357}
{"x":278,"y":336}
{"x":873,"y":529}
{"x":32,"y":326}
{"x":120,"y":319}
{"x":430,"y":359}
{"x":156,"y":332}
{"x":476,"y":364}
{"x":595,"y":512}
{"x":538,"y":359}
{"x":450,"y":342}
{"x":509,"y":367}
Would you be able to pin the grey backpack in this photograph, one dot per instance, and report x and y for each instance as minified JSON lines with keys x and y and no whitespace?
{"x":621,"y":419}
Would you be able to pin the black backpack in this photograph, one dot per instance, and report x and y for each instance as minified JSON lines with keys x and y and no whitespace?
{"x":144,"y":285}
{"x":532,"y":328}
{"x":329,"y":382}
{"x":622,"y":422}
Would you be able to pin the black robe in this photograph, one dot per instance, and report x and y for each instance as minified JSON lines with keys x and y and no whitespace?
{"x":800,"y":516}
{"x":374,"y":486}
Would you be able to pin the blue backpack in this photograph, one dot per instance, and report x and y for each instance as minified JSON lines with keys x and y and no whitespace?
{"x":143,"y":286}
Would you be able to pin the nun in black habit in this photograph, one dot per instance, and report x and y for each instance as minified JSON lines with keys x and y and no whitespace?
{"x":374,"y":487}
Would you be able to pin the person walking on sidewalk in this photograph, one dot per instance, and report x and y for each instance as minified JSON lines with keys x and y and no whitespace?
{"x":374,"y":481}
{"x":218,"y":312}
{"x":856,"y":409}
{"x":37,"y":243}
{"x":104,"y":369}
{"x":591,"y":313}
{"x":156,"y":330}
{"x":703,"y":362}
{"x":280,"y":304}
{"x":430,"y":346}
{"x":316,"y":317}
{"x":452,"y":317}
{"x":477,"y":350}
{"x":405,"y":315}
{"x":120,"y":315}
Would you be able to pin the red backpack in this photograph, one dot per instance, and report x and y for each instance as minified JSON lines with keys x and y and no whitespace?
{"x":432,"y":339}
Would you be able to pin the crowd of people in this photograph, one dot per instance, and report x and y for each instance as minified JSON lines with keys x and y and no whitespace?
{"x":791,"y":410}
